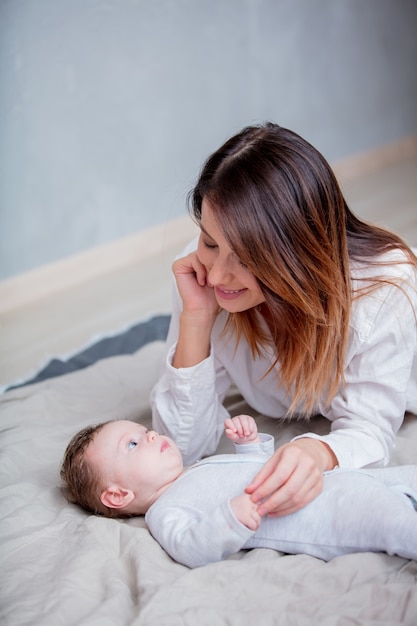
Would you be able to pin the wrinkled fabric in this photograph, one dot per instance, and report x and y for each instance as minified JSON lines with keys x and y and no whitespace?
{"x":62,"y":567}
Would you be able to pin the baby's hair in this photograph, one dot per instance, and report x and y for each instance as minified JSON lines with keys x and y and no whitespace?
{"x":83,"y":485}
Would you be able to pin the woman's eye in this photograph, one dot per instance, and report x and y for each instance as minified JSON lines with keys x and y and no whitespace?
{"x":131,"y":445}
{"x":210,"y":246}
{"x":206,"y":241}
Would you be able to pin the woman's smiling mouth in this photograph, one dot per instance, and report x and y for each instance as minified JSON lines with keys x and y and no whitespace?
{"x":229,"y":294}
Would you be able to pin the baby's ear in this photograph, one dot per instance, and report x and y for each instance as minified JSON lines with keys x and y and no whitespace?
{"x":117,"y":497}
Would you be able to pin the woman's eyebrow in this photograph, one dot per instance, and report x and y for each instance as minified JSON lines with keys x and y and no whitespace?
{"x":204,"y":231}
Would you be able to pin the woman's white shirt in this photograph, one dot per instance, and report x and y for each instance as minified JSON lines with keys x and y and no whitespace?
{"x":365,"y":415}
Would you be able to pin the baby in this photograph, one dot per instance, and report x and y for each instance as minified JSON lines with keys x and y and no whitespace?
{"x":202,"y":514}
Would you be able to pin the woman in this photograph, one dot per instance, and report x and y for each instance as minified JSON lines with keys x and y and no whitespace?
{"x":304,"y":307}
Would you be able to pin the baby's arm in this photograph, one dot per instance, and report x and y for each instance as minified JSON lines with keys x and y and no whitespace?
{"x":246,"y":511}
{"x":241,"y":429}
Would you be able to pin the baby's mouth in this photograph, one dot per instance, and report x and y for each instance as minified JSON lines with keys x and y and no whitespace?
{"x":164,"y":445}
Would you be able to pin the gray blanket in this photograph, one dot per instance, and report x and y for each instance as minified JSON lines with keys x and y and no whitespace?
{"x":61,"y":566}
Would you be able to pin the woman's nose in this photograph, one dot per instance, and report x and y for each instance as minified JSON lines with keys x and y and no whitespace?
{"x":218,"y":272}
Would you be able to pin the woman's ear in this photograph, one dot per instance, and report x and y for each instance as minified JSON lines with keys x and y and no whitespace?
{"x":117,"y":497}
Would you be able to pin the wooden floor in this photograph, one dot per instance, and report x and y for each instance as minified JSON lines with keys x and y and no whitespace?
{"x":67,"y":320}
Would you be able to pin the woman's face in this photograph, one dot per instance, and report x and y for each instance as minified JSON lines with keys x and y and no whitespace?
{"x":235,"y":287}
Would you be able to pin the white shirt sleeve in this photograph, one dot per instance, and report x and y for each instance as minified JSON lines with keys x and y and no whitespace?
{"x":187,"y":406}
{"x":368,"y":411}
{"x":187,"y":403}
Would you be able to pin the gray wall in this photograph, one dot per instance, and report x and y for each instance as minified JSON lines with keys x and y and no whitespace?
{"x":109,"y":107}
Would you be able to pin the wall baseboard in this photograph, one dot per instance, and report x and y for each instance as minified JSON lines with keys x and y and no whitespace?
{"x":164,"y":239}
{"x":167,"y":238}
{"x":357,"y":165}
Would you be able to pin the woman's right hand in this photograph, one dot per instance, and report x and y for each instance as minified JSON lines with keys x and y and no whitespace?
{"x":199,"y":311}
{"x":197,"y":295}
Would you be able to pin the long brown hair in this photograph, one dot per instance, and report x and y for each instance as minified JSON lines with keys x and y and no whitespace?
{"x":283,"y":213}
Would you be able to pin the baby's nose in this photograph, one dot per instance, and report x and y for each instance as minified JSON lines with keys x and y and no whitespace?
{"x":152,"y":435}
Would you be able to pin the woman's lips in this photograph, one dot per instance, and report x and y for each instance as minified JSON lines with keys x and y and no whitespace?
{"x":229,"y":294}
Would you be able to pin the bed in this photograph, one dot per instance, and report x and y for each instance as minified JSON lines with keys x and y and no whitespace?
{"x":61,"y":566}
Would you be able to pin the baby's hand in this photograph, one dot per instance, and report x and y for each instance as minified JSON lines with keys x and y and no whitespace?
{"x":241,"y":429}
{"x":246,"y":511}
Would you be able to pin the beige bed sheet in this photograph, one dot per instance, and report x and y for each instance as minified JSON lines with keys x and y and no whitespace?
{"x":61,"y":566}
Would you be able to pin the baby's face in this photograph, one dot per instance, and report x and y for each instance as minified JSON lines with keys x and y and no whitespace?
{"x":131,"y":457}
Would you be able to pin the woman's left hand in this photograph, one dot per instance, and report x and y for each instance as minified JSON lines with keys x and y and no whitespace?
{"x":292,"y":477}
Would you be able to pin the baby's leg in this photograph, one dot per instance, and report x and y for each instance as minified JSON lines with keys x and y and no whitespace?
{"x":402,"y":478}
{"x":373,"y":509}
{"x":356,"y":512}
{"x":392,"y":476}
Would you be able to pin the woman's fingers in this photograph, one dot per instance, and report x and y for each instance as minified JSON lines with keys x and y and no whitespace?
{"x":190,"y":264}
{"x":294,"y":495}
{"x":269,"y":478}
{"x":287,"y":482}
{"x":191,"y":278}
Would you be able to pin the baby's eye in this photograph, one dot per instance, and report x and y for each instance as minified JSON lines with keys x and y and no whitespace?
{"x":131,"y":445}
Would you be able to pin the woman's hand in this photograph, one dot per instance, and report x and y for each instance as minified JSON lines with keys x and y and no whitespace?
{"x":191,"y":277}
{"x":292,"y":477}
{"x":199,"y":312}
